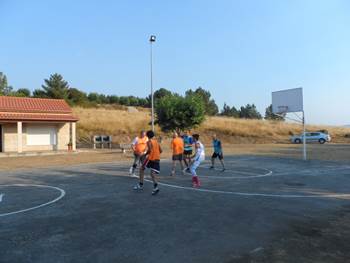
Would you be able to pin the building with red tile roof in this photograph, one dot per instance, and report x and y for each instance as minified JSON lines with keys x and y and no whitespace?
{"x":36,"y":124}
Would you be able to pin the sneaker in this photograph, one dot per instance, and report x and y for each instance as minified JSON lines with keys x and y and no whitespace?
{"x":131,"y":170}
{"x":155,"y":191}
{"x":187,"y":170}
{"x":172,"y":173}
{"x":211,"y":167}
{"x":198,"y":183}
{"x":195,"y":182}
{"x":138,"y":187}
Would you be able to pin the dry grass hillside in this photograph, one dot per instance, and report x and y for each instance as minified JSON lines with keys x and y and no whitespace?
{"x":123,"y":125}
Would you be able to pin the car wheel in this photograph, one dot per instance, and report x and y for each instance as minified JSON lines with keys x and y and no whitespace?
{"x":298,"y":141}
{"x":321,"y":141}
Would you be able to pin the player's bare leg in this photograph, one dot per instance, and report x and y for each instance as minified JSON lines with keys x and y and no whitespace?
{"x":139,"y":186}
{"x":223,"y":164}
{"x":155,"y":183}
{"x":173,"y":168}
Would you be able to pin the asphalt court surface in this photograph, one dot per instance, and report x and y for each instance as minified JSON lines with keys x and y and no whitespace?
{"x":93,"y":215}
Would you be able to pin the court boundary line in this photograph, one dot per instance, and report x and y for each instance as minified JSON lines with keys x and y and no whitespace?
{"x":250,"y":194}
{"x":62,"y":194}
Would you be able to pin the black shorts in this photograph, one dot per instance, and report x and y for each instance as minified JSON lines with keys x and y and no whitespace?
{"x":177,"y":157}
{"x":217,"y":155}
{"x":153,"y":165}
{"x":187,"y":152}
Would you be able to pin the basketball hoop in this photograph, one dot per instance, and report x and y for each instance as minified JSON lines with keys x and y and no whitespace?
{"x":290,"y":101}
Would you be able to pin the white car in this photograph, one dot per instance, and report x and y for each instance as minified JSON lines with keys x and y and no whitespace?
{"x":319,"y":137}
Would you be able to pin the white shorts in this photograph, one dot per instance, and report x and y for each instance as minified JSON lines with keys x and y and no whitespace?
{"x":194,"y":166}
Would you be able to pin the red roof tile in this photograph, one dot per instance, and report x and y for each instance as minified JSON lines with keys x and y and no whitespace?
{"x":7,"y":116}
{"x":34,"y":109}
{"x":19,"y":104}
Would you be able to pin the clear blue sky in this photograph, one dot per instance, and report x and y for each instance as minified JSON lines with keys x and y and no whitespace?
{"x":239,"y":50}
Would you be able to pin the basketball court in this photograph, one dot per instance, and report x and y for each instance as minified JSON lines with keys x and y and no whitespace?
{"x":89,"y":213}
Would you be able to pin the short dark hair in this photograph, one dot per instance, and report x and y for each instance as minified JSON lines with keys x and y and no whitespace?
{"x":150,"y":134}
{"x":196,"y":136}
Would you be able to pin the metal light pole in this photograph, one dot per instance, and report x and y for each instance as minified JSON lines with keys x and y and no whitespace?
{"x":151,"y":40}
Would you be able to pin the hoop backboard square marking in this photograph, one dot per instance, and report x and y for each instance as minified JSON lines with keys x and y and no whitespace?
{"x":290,"y":100}
{"x":282,"y":109}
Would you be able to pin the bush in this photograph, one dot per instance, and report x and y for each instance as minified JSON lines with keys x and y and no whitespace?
{"x":174,"y":112}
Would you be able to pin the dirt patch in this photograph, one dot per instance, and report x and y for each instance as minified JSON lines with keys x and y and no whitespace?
{"x":11,"y":163}
{"x":320,"y":240}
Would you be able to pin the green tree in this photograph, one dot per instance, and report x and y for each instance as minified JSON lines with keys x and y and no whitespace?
{"x":157,"y":95}
{"x":269,"y":115}
{"x":56,"y":87}
{"x":5,"y":89}
{"x":39,"y":93}
{"x":210,"y":106}
{"x":77,"y":97}
{"x":123,"y":100}
{"x":229,"y":111}
{"x":94,"y":97}
{"x":249,"y":112}
{"x":112,"y":99}
{"x":22,"y":93}
{"x":175,"y":112}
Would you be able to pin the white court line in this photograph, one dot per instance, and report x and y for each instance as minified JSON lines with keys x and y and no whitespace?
{"x":252,"y":194}
{"x":62,"y":194}
{"x":248,"y":194}
{"x":250,"y":175}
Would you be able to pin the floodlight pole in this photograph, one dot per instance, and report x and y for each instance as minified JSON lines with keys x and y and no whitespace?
{"x":151,"y":40}
{"x":304,"y":138}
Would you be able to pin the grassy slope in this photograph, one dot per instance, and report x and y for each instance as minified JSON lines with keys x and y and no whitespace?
{"x":123,"y":125}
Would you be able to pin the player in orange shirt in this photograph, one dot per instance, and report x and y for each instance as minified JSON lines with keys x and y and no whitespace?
{"x":152,"y":162}
{"x":177,"y":145}
{"x":139,"y":146}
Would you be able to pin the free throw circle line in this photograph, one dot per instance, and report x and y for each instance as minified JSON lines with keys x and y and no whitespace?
{"x":62,"y":194}
{"x":250,"y":175}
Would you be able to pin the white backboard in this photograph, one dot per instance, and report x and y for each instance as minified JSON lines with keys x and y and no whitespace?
{"x":290,"y":100}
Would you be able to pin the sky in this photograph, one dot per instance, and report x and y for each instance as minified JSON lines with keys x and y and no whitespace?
{"x":239,"y":50}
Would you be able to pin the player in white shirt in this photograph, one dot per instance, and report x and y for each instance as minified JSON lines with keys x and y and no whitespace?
{"x":139,"y":146}
{"x":197,"y":158}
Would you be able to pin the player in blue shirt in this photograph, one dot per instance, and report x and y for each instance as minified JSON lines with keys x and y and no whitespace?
{"x":188,"y":145}
{"x":217,"y":153}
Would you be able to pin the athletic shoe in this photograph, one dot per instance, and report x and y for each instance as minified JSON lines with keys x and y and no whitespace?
{"x":198,"y":183}
{"x":155,"y":191}
{"x":138,"y":187}
{"x":172,"y":173}
{"x":211,"y":167}
{"x":193,"y":182}
{"x":131,"y":171}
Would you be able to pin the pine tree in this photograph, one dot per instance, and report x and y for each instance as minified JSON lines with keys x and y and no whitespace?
{"x":56,"y":87}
